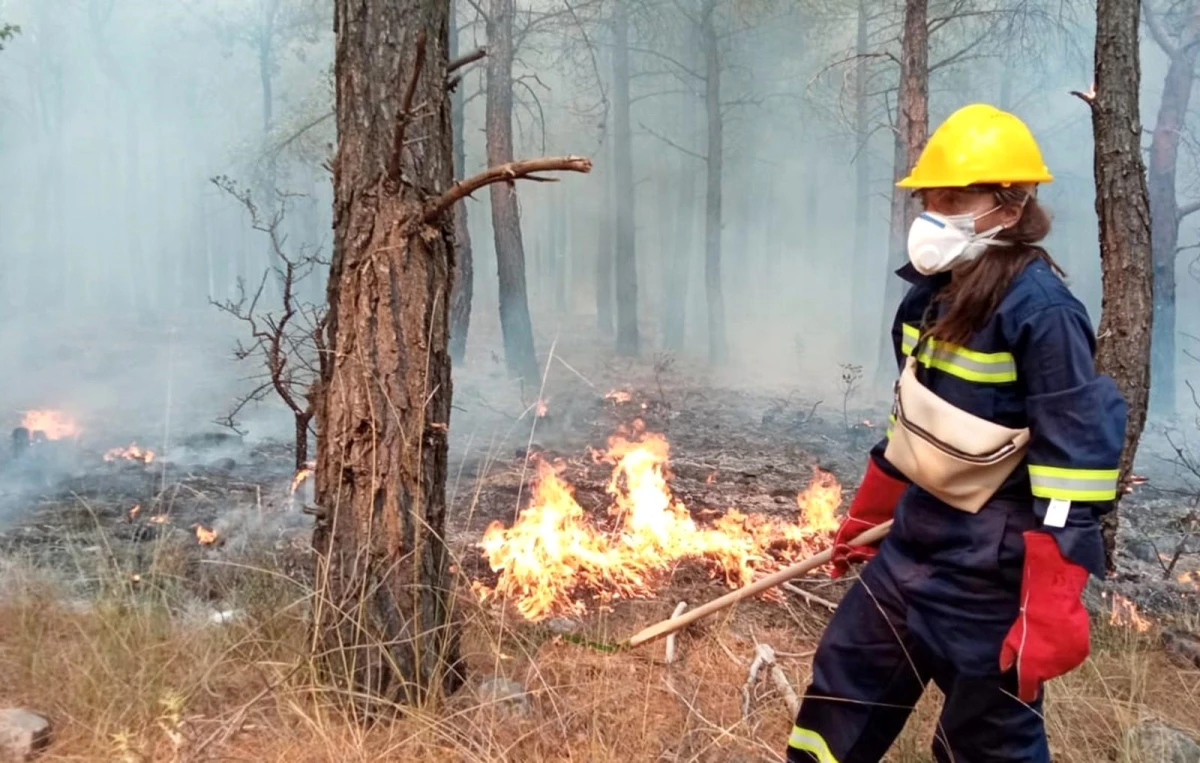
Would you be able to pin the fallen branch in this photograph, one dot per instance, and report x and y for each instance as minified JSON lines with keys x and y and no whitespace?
{"x":519,"y":170}
{"x":764,"y":655}
{"x":671,"y":638}
{"x":811,"y":598}
{"x":405,"y":113}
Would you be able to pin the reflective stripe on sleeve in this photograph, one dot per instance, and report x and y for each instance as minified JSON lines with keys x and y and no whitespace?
{"x":1073,"y":484}
{"x":970,"y":365}
{"x":810,"y":741}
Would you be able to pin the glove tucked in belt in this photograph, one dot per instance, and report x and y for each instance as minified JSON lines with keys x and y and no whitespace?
{"x":1051,"y":634}
{"x":874,"y":503}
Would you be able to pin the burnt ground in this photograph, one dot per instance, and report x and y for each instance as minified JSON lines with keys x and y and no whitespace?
{"x":749,"y":446}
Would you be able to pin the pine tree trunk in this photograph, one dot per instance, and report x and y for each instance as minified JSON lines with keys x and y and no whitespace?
{"x":862,"y":298}
{"x":1123,"y":208}
{"x":1164,"y":209}
{"x":383,"y":610}
{"x":718,"y":345}
{"x":605,"y":270}
{"x":628,"y":341}
{"x":912,"y":121}
{"x":464,"y":265}
{"x":515,"y":323}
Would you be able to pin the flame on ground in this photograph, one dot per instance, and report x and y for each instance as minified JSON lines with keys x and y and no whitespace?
{"x":542,"y":408}
{"x":619,"y":396}
{"x":1125,"y":614}
{"x":555,"y":552}
{"x":132,"y":453}
{"x":56,"y":425}
{"x":205,"y":536}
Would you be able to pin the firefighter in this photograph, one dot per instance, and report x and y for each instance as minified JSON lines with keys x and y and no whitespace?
{"x":986,"y":605}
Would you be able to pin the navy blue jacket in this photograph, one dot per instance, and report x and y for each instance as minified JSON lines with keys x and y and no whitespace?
{"x":1031,"y":365}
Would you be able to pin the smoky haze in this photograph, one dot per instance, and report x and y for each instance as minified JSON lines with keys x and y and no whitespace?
{"x":116,"y":114}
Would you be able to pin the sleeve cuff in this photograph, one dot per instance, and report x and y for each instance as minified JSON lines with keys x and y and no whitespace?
{"x":1079,"y":539}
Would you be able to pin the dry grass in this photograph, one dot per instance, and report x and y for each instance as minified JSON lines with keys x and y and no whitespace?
{"x":133,"y":675}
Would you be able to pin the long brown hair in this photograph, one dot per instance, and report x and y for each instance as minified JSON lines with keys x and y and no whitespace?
{"x":976,"y":287}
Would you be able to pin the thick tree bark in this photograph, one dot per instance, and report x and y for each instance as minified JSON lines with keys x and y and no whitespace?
{"x":862,"y":298}
{"x":628,"y":342}
{"x":464,"y":264}
{"x":912,"y":129}
{"x":1164,"y":206}
{"x":1123,"y":208}
{"x":718,"y":345}
{"x":515,"y":323}
{"x":383,"y":610}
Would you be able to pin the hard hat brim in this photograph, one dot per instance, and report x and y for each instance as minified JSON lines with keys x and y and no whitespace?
{"x":918,"y":184}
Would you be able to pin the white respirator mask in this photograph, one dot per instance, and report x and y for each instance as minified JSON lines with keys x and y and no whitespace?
{"x":937,"y":242}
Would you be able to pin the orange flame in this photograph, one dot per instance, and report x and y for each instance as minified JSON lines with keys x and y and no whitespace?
{"x":133,"y":513}
{"x":132,"y":453}
{"x":302,"y":474}
{"x":542,"y":408}
{"x":555,"y":552}
{"x":56,"y":425}
{"x":1125,"y":614}
{"x":619,"y":396}
{"x":205,"y":536}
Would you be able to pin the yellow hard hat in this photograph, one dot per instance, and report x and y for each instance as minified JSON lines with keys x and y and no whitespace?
{"x":979,"y":144}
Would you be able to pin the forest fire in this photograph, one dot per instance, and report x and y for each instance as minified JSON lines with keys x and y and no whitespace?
{"x":555,"y":553}
{"x":131,"y":453}
{"x":1125,"y":614}
{"x":55,"y":425}
{"x":302,"y":474}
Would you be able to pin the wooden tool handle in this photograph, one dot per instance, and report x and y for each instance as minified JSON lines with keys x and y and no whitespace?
{"x":652,"y":632}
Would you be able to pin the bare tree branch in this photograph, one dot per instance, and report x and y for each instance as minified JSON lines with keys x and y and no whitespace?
{"x":523,"y":169}
{"x":469,"y":58}
{"x":1190,"y":208}
{"x":405,"y":113}
{"x":672,"y":143}
{"x":1154,"y":24}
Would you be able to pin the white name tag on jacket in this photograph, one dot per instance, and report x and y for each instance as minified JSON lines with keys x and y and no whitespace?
{"x":1056,"y":514}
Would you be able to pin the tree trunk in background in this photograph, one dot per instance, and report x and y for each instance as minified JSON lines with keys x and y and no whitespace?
{"x":718,"y":346}
{"x":464,"y":266}
{"x":628,"y":341}
{"x":862,"y":298}
{"x":383,"y":609}
{"x":912,"y":128}
{"x":561,"y":248}
{"x":604,"y":253}
{"x":1124,"y":210}
{"x":1164,"y":206}
{"x":506,"y":218}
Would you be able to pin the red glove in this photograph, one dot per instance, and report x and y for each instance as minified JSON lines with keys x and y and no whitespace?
{"x":873,"y":504}
{"x":1051,"y":635}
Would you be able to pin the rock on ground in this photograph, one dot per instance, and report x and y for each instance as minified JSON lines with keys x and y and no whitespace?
{"x":1155,"y":742}
{"x":505,"y":693}
{"x":22,"y":734}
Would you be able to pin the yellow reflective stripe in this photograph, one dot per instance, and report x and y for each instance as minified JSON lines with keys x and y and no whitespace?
{"x":1073,"y":484}
{"x":809,"y":741}
{"x":971,"y":365}
{"x":891,"y":425}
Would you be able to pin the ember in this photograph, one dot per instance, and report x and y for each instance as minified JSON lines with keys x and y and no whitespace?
{"x":205,"y":536}
{"x":55,"y":425}
{"x":542,"y":408}
{"x":555,"y":552}
{"x":619,"y":396}
{"x":133,"y":513}
{"x":1125,"y":614}
{"x":132,"y":453}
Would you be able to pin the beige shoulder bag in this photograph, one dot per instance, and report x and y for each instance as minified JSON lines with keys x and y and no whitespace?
{"x":959,"y":457}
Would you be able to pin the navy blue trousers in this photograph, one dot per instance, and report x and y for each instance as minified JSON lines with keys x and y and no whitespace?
{"x":903,"y":624}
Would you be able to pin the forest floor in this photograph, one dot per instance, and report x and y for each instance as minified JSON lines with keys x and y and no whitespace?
{"x":157,"y":611}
